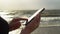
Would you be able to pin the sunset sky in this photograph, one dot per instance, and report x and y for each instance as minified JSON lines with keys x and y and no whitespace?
{"x":29,"y":4}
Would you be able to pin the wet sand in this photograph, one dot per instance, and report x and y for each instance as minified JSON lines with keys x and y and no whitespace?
{"x":47,"y":30}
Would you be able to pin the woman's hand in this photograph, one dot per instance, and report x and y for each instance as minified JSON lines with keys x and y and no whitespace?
{"x":15,"y":23}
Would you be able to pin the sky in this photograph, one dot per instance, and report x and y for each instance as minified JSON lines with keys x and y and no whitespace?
{"x":29,"y":4}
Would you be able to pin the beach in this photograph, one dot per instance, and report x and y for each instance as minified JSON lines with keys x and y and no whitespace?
{"x":47,"y":30}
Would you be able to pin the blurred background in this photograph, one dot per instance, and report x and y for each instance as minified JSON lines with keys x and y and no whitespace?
{"x":50,"y":18}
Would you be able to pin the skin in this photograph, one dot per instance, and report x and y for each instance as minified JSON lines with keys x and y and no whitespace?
{"x":15,"y":24}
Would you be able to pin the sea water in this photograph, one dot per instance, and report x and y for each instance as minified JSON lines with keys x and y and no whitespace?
{"x":45,"y":21}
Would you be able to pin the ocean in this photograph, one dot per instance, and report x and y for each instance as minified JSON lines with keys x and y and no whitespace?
{"x":46,"y":24}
